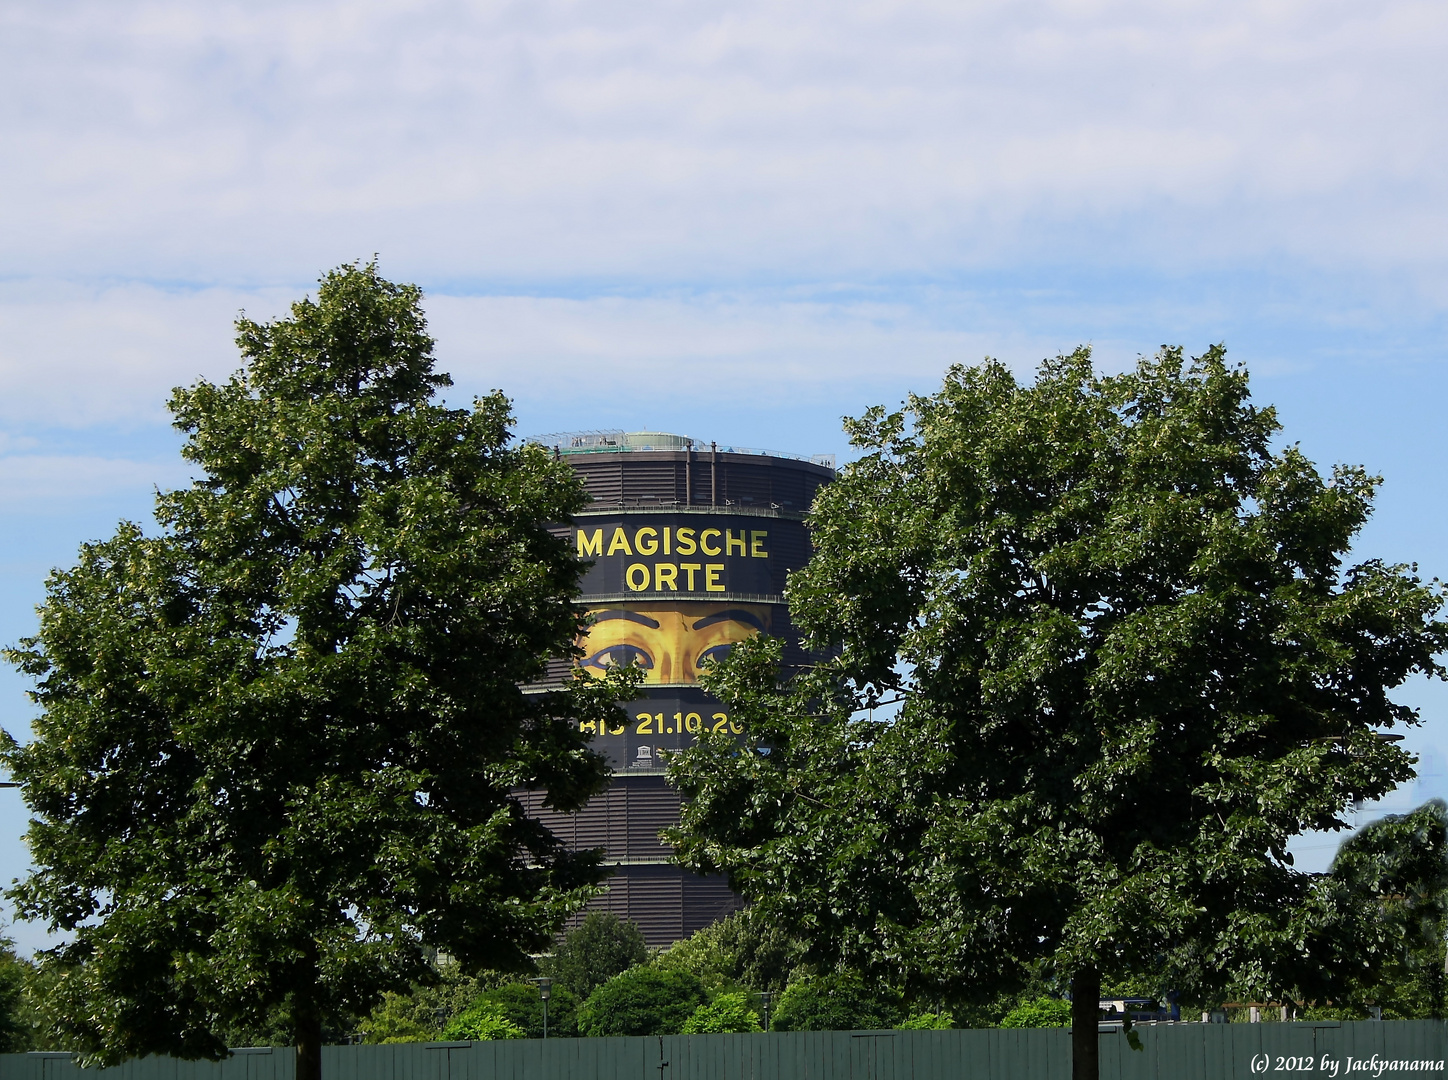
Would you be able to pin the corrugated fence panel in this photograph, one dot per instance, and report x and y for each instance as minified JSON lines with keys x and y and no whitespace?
{"x":24,"y":1066}
{"x":1292,"y":1044}
{"x":1423,"y":1039}
{"x":245,"y":1064}
{"x":1177,"y":1052}
{"x":1022,"y":1053}
{"x":924,"y":1056}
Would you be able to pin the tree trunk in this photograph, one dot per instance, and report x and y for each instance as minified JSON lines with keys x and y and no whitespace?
{"x":309,"y":1045}
{"x":308,"y":1019}
{"x":1085,"y":1014}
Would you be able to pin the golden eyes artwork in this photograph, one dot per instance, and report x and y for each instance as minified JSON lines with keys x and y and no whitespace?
{"x":668,"y":593}
{"x":672,"y":644}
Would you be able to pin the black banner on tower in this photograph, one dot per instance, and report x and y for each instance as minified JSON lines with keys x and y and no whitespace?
{"x":668,"y":593}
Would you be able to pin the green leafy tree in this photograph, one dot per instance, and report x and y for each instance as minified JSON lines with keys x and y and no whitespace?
{"x":838,"y":1001}
{"x":280,"y":736}
{"x":482,"y":1021}
{"x":726,"y":1014}
{"x":1394,"y":873}
{"x":1039,"y":1012}
{"x":1124,"y":664}
{"x":641,"y":1001}
{"x":736,"y":951}
{"x":16,"y":1010}
{"x":594,"y":951}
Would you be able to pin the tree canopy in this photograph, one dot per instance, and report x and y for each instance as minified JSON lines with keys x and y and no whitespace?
{"x":279,"y":734}
{"x":594,"y":951}
{"x":1394,"y":874}
{"x":1090,"y":657}
{"x":738,"y":951}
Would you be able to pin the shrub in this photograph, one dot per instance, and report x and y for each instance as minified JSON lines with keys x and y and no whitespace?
{"x":727,"y":1013}
{"x":593,"y":952}
{"x":417,"y":1016}
{"x":836,"y":1002}
{"x":641,"y":1001}
{"x":927,"y":1022}
{"x":483,"y":1020}
{"x":522,"y":1005}
{"x":1038,"y":1013}
{"x":395,"y":1020}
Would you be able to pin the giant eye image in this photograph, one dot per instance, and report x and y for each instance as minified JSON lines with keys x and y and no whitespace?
{"x":620,"y":655}
{"x":671,"y":645}
{"x":711,"y":654}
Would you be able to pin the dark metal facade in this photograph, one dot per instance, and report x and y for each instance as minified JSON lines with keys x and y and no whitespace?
{"x":698,"y":477}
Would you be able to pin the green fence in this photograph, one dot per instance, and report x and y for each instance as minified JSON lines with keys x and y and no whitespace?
{"x":1175,"y":1052}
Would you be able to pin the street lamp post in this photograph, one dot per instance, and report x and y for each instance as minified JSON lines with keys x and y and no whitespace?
{"x":764,"y":996}
{"x":545,"y":988}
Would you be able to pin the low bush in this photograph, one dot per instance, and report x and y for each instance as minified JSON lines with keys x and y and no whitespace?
{"x":726,"y":1014}
{"x":1039,"y":1013}
{"x":393,"y":1021}
{"x":836,"y":1002}
{"x":483,"y":1020}
{"x":417,"y":1016}
{"x":522,"y":1005}
{"x":927,"y":1022}
{"x":641,"y":1001}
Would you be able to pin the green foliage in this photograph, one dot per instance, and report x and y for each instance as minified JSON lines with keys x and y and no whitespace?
{"x":926,"y":1021}
{"x":1394,"y":873}
{"x":594,"y":951}
{"x":396,"y":1019}
{"x":17,"y":1013}
{"x":522,"y":1004}
{"x":984,"y":1012}
{"x":1315,"y":1012}
{"x":422,"y":1013}
{"x":280,"y":737}
{"x":641,"y":1001}
{"x":1038,"y":1013}
{"x":1130,"y":665}
{"x":836,"y":1002}
{"x":481,"y":1021}
{"x":726,"y":1014}
{"x":735,"y":951}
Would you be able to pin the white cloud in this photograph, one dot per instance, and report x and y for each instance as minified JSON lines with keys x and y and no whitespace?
{"x":557,"y":139}
{"x":72,"y":356}
{"x":720,"y":348}
{"x":108,"y":358}
{"x":49,"y":481}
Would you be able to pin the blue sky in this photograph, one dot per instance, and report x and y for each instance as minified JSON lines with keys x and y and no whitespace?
{"x":740,"y":221}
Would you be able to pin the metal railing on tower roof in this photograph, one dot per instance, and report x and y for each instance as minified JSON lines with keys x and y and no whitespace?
{"x":617,"y":441}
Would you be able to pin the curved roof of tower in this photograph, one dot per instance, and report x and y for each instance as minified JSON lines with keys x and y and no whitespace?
{"x":618,"y":441}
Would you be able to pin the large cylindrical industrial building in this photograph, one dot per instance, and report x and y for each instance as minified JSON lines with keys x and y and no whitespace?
{"x":691,"y":545}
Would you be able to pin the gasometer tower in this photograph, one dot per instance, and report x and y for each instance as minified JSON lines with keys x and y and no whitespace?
{"x":691,"y":544}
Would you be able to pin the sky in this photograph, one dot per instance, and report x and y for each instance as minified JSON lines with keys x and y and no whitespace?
{"x":738,"y":221}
